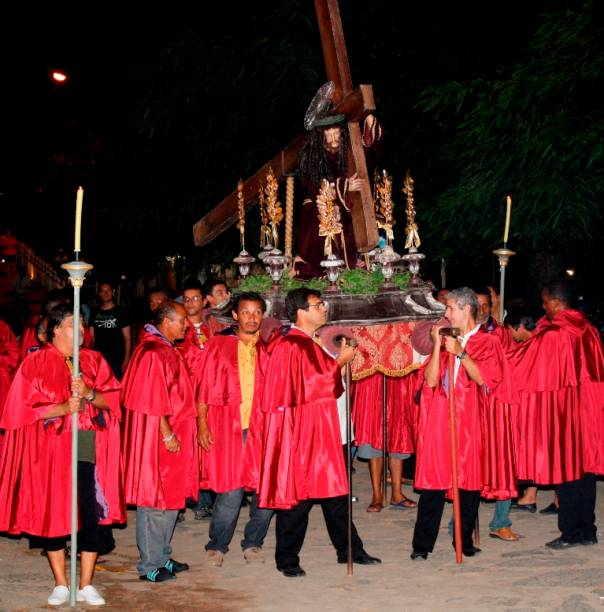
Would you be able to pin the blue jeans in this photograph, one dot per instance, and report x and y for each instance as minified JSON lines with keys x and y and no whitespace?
{"x":205,"y":500}
{"x":154,"y":530}
{"x":501,"y":516}
{"x":224,"y":520}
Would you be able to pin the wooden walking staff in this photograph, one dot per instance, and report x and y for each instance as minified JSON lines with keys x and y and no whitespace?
{"x":77,"y":270}
{"x":455,"y":487}
{"x":348,"y":376}
{"x":384,"y":439}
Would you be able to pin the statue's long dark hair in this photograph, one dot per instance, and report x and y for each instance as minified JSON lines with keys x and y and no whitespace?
{"x":313,"y":163}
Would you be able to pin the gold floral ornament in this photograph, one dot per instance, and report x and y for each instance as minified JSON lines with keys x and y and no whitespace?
{"x":273,"y":206}
{"x":241,"y":211}
{"x":265,"y":232}
{"x":384,"y":210}
{"x":412,"y":242}
{"x":329,"y":215}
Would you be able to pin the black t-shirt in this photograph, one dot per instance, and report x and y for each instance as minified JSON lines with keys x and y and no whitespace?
{"x":108,"y":336}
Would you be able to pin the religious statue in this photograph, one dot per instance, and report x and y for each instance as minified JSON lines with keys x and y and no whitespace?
{"x":324,"y":156}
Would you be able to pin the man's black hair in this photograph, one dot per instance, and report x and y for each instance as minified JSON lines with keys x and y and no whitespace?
{"x":297,"y":299}
{"x":165,"y":311}
{"x":192,"y":283}
{"x":560,"y":290}
{"x":56,"y":316}
{"x":248,"y":296}
{"x":208,"y":286}
{"x":517,"y":318}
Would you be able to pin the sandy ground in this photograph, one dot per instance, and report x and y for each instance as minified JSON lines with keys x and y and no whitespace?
{"x":519,"y":577}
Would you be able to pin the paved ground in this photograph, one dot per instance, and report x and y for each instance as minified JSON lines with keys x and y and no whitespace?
{"x":518,"y":577}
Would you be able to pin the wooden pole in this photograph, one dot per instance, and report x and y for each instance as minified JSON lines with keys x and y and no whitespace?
{"x":452,"y":427}
{"x":384,"y":441}
{"x":349,"y":469}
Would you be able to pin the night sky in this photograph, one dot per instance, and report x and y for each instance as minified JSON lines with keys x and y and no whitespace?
{"x":143,"y":193}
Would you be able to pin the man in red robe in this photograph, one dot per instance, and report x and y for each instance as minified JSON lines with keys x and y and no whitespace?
{"x":301,"y":459}
{"x":9,"y":359}
{"x":197,"y":333}
{"x":229,"y":389}
{"x":481,"y":378}
{"x":35,"y":462}
{"x":161,"y":460}
{"x":559,"y":373}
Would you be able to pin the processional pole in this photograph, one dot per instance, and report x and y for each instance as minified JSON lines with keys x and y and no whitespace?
{"x":348,"y":378}
{"x":504,"y":255}
{"x":77,"y":270}
{"x":455,"y":484}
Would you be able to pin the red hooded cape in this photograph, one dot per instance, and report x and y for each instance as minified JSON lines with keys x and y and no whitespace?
{"x":228,"y":465}
{"x":559,"y":425}
{"x":367,"y":413}
{"x":301,"y":442}
{"x":35,"y":462}
{"x":156,"y":384}
{"x":485,"y":460}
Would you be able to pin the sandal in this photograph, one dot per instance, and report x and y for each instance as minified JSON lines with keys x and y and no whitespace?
{"x":375,"y":507}
{"x":404,"y":503}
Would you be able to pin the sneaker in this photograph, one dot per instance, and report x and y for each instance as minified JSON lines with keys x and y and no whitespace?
{"x":59,"y":596}
{"x":175,"y":567}
{"x":253,"y":555}
{"x":205,"y":512}
{"x":90,"y":596}
{"x":158,"y":575}
{"x":214,"y":558}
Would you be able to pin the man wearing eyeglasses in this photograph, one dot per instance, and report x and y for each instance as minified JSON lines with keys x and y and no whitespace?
{"x":301,"y":457}
{"x":197,"y":333}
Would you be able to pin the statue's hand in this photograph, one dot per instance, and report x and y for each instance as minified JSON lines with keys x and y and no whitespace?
{"x":355,"y":183}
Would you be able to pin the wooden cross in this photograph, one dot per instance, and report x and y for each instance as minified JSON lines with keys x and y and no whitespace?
{"x":354,"y":103}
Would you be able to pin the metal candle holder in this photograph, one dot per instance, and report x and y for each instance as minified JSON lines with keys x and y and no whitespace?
{"x":275,"y":262}
{"x":244,"y":260}
{"x":413,"y":259}
{"x":332,"y":265}
{"x":503,"y":255}
{"x":387,"y":257}
{"x":77,"y":271}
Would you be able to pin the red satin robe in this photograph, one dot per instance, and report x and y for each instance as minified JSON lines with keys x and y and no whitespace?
{"x":559,"y":374}
{"x":191,"y":347}
{"x":157,"y":383}
{"x":367,"y":413}
{"x":35,"y":462}
{"x":228,"y":465}
{"x":9,"y":360}
{"x":301,"y":442}
{"x":481,"y":465}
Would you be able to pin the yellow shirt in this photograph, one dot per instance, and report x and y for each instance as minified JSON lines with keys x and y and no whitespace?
{"x":246,"y":354}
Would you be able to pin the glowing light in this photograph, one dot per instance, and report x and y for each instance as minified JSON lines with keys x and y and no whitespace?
{"x":58,"y":76}
{"x":570,"y":272}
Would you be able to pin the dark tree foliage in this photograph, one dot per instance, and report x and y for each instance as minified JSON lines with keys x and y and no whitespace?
{"x":534,"y":131}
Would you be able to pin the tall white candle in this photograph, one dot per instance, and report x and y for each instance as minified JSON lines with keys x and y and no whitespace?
{"x":78,"y":220}
{"x":508,"y":216}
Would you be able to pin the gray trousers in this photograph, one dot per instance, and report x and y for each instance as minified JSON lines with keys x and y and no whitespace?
{"x":154,"y":530}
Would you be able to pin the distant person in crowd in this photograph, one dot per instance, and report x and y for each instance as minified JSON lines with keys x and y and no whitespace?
{"x":110,"y":329}
{"x":217,"y":295}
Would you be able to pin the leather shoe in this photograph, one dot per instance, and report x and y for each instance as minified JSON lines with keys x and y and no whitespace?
{"x":418,"y":554}
{"x":560,"y":544}
{"x":532,"y":508}
{"x":469,"y":552}
{"x":505,"y":533}
{"x":361,"y":558}
{"x":551,"y":509}
{"x":292,"y":571}
{"x":589,"y":541}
